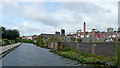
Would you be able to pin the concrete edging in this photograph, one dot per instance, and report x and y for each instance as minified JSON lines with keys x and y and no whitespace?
{"x":6,"y":51}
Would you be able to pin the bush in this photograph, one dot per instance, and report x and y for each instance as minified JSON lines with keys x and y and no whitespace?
{"x":116,"y":57}
{"x":5,"y":42}
{"x":73,"y":39}
{"x":54,"y":39}
{"x":79,"y":40}
{"x":19,"y":39}
{"x":39,"y":41}
{"x":27,"y":41}
{"x":65,"y":48}
{"x":78,"y":57}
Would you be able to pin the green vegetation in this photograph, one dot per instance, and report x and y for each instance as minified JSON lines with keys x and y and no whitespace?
{"x":65,"y":48}
{"x":39,"y":41}
{"x":8,"y":36}
{"x":52,"y":39}
{"x":73,"y":39}
{"x":27,"y":41}
{"x":85,"y":58}
{"x":19,"y":39}
{"x":4,"y":42}
{"x":116,"y":57}
{"x":79,"y":57}
{"x":79,"y":40}
{"x":82,"y":57}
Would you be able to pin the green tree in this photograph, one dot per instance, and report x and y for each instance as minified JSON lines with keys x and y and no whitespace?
{"x":39,"y":41}
{"x":9,"y":34}
{"x":3,"y":31}
{"x":19,"y":39}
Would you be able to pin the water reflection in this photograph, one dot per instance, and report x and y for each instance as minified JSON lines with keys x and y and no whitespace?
{"x":31,"y":55}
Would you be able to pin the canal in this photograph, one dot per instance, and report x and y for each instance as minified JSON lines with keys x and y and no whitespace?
{"x":31,"y":55}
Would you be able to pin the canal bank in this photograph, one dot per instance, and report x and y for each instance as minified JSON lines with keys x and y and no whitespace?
{"x":6,"y":49}
{"x":83,"y":58}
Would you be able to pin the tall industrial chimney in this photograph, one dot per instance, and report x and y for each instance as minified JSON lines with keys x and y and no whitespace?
{"x":84,"y":29}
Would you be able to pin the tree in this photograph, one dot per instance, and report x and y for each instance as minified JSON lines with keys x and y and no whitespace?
{"x":9,"y":34}
{"x":2,"y":33}
{"x":19,"y":39}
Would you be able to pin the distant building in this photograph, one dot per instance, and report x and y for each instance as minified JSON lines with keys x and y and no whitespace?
{"x":57,"y":33}
{"x":35,"y":37}
{"x":78,"y":33}
{"x":69,"y":37}
{"x":63,"y":32}
{"x":118,"y":29}
{"x":27,"y":37}
{"x":110,"y":30}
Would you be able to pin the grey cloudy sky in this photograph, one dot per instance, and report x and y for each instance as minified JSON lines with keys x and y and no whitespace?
{"x":47,"y":17}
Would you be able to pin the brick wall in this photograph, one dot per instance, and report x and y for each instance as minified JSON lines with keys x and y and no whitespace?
{"x":103,"y":49}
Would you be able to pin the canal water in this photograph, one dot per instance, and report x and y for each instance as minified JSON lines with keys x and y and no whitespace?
{"x":32,"y":55}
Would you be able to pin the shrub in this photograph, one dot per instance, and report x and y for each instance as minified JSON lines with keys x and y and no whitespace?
{"x":19,"y":39}
{"x":73,"y":39}
{"x":79,"y":40}
{"x":65,"y":48}
{"x":116,"y":57}
{"x":39,"y":41}
{"x":5,"y":42}
{"x":78,"y":57}
{"x":27,"y":41}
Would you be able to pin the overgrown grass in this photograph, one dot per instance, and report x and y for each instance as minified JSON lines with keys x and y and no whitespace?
{"x":82,"y":57}
{"x":116,"y":57}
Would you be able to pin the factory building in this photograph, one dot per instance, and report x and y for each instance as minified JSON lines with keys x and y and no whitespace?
{"x":118,"y":29}
{"x":110,"y":30}
{"x":95,"y":35}
{"x":84,"y":29}
{"x":63,"y":32}
{"x":57,"y":33}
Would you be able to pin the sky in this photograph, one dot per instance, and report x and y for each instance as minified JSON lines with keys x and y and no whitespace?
{"x":34,"y":18}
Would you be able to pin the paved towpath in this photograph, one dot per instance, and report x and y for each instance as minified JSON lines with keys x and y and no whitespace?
{"x":5,"y":48}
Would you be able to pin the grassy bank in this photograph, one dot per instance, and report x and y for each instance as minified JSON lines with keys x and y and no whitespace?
{"x":85,"y":58}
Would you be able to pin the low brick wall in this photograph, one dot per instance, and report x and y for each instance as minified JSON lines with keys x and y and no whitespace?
{"x":85,"y":47}
{"x":103,"y":49}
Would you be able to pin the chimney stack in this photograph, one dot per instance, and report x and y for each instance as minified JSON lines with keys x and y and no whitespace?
{"x":84,"y":29}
